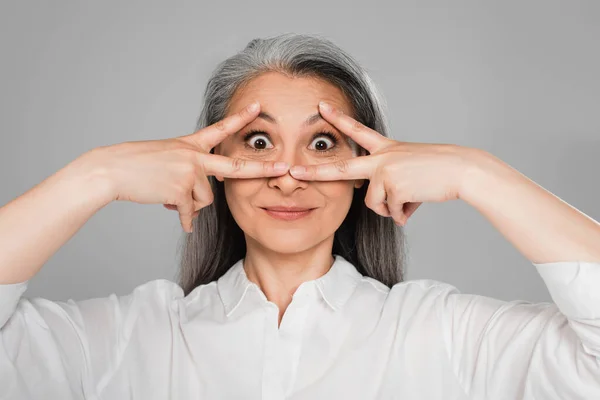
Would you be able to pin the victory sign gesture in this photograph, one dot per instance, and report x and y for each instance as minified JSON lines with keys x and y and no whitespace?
{"x":402,"y":175}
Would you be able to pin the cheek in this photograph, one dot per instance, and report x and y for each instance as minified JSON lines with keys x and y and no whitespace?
{"x":337,"y":194}
{"x":238,"y":192}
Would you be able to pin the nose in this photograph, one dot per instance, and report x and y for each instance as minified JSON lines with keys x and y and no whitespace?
{"x":287,"y":183}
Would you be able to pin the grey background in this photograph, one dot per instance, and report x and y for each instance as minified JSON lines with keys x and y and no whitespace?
{"x":516,"y":78}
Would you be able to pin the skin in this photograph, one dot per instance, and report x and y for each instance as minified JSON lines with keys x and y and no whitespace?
{"x":283,"y":254}
{"x":402,"y":176}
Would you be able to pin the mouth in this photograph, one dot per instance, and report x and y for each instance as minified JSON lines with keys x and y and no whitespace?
{"x":288,"y":213}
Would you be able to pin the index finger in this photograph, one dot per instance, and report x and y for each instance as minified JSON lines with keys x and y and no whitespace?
{"x":227,"y":167}
{"x":368,"y":138}
{"x":352,"y":168}
{"x":214,"y":134}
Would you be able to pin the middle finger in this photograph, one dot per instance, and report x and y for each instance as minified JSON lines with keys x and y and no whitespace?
{"x":212,"y":135}
{"x":368,"y":138}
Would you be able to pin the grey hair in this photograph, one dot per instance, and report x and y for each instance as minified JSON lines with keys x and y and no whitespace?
{"x":372,"y":243}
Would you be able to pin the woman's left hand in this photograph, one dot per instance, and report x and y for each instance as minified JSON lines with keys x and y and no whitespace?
{"x":402,"y":175}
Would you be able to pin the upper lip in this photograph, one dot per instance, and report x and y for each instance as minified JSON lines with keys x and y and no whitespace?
{"x":287,"y":209}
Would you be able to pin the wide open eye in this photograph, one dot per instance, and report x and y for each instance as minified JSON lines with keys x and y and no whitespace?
{"x":257,"y":141}
{"x":324,"y":141}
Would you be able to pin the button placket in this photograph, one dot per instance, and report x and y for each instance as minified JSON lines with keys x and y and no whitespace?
{"x":271,"y":379}
{"x":290,"y":337}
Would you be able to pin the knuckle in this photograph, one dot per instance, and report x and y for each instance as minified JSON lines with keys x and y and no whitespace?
{"x":341,"y":165}
{"x":181,"y":193}
{"x":244,"y":113}
{"x":357,"y":126}
{"x":387,"y":170}
{"x":180,"y":197}
{"x":369,"y":201}
{"x":188,"y":176}
{"x":187,"y":144}
{"x":237,"y":164}
{"x":187,"y":154}
{"x":220,"y":125}
{"x":372,"y":205}
{"x":209,"y":197}
{"x":395,"y":208}
{"x":395,"y":188}
{"x":189,"y":168}
{"x":198,"y":205}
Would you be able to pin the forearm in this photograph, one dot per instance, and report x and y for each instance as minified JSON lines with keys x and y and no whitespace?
{"x":36,"y":224}
{"x":540,"y":225}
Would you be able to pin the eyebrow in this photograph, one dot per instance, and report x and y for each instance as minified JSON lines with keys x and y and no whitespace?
{"x":309,"y":121}
{"x":313,"y":119}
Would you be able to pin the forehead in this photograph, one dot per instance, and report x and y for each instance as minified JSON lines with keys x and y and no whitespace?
{"x":282,"y":94}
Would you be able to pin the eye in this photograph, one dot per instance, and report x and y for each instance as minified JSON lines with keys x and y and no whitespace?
{"x":324,"y":141}
{"x":257,"y":140}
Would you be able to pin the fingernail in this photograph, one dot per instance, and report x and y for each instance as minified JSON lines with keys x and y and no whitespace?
{"x":325,"y":106}
{"x":253,"y":107}
{"x":298,"y":170}
{"x":280,"y":166}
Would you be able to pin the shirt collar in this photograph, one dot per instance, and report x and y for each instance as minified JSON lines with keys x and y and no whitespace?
{"x":336,"y":286}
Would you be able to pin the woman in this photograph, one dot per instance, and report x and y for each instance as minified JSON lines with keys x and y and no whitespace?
{"x":291,"y":281}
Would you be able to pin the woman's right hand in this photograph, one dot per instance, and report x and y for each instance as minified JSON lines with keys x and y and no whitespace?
{"x":174,"y":171}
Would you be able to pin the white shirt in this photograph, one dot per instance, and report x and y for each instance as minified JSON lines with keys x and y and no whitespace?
{"x":343,"y":336}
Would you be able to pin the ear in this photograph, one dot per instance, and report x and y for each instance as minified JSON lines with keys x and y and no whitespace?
{"x":358,"y":183}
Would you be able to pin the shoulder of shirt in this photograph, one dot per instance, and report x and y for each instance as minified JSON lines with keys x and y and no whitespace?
{"x":423,"y":285}
{"x":169,"y":292}
{"x":161,"y":285}
{"x":159,"y":289}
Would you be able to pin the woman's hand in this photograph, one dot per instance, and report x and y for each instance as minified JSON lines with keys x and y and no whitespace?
{"x":402,"y":175}
{"x":174,"y":171}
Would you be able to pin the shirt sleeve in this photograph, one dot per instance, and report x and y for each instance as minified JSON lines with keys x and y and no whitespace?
{"x":524,"y":350}
{"x":62,"y":350}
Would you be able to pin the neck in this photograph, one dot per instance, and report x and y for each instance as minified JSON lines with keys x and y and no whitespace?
{"x":278,"y":275}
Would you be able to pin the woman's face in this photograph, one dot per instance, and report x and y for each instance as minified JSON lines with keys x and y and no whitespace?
{"x":283,"y":136}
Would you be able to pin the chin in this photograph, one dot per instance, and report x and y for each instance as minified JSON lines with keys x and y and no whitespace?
{"x":287,"y":241}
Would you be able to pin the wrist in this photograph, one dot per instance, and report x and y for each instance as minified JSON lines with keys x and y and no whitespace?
{"x":89,"y":177}
{"x":478,"y":176}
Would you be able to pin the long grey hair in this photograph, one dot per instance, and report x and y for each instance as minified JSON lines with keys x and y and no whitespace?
{"x":372,"y":243}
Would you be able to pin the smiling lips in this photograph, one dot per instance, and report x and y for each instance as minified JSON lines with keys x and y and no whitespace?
{"x":288,"y":213}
